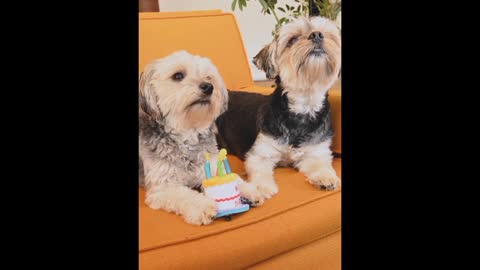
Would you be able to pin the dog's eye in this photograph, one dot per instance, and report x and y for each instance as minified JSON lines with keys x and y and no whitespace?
{"x":178,"y":76}
{"x":292,"y":41}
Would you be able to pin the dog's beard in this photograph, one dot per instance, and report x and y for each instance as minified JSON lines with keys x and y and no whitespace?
{"x":200,"y":102}
{"x":188,"y":109}
{"x":201,"y":115}
{"x":303,"y":66}
{"x":201,"y":112}
{"x":311,"y":63}
{"x":306,"y":64}
{"x":317,"y":51}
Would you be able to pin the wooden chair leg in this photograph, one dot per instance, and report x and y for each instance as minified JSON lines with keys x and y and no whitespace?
{"x":148,"y":6}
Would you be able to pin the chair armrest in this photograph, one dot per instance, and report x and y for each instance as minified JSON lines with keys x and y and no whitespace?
{"x":335,"y":98}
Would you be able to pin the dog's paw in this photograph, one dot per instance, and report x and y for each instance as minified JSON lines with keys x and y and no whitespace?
{"x":201,"y":212}
{"x":154,"y":201}
{"x":327,"y":181}
{"x":246,"y":201}
{"x":258,"y":193}
{"x":267,"y":188}
{"x":251,"y":193}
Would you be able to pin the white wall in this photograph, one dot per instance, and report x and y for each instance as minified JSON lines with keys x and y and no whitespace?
{"x":255,"y":27}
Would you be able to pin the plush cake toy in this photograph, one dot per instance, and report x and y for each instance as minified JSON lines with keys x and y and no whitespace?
{"x":223,"y":187}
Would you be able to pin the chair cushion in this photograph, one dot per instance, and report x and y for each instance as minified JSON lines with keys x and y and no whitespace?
{"x":295,"y":216}
{"x":322,"y":254}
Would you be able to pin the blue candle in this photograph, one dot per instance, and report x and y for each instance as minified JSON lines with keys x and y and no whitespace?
{"x":227,"y":166}
{"x":207,"y":166}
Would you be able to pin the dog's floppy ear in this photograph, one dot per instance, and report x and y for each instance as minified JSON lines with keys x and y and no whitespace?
{"x":224,"y":93}
{"x":264,"y":60}
{"x":146,"y":96}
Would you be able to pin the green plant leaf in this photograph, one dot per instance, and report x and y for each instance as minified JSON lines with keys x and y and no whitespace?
{"x":281,"y":9}
{"x":272,"y":3}
{"x":242,"y":3}
{"x":264,"y":4}
{"x":234,"y":3}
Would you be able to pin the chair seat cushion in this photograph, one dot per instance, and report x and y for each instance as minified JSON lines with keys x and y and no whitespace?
{"x":297,"y":215}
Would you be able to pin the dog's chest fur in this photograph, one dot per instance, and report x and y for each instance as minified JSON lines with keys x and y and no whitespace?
{"x":249,"y":114}
{"x":185,"y":153}
{"x":296,"y":129}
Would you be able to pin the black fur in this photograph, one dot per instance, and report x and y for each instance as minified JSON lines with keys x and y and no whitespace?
{"x":251,"y":113}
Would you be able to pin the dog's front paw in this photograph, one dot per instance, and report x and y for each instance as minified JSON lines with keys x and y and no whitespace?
{"x":325,"y":181}
{"x":267,"y":188}
{"x":259,"y":192}
{"x":251,"y":193}
{"x":154,"y":201}
{"x":201,"y":211}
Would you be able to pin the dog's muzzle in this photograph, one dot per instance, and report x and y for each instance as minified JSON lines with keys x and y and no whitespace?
{"x":317,"y":50}
{"x":317,"y":40}
{"x":316,"y":37}
{"x":206,"y":88}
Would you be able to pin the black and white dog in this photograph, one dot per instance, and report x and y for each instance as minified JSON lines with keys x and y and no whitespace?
{"x":292,"y":126}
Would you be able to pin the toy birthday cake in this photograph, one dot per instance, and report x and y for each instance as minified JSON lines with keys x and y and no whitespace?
{"x":223,"y":187}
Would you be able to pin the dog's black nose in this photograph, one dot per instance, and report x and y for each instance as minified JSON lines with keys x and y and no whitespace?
{"x":316,"y":37}
{"x":207,"y":88}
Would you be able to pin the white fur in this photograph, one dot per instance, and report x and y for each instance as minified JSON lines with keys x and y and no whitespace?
{"x":315,"y":161}
{"x":308,"y":102}
{"x":259,"y":164}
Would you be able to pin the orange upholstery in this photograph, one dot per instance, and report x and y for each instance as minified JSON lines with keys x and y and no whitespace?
{"x":299,"y":228}
{"x":335,"y":98}
{"x":297,"y":215}
{"x":321,"y":254}
{"x":207,"y":33}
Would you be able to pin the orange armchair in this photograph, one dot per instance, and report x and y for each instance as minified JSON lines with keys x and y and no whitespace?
{"x":299,"y":228}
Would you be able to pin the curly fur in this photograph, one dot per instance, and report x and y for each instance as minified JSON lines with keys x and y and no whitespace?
{"x":175,"y":132}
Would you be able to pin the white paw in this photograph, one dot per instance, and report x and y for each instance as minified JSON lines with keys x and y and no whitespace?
{"x":259,"y":192}
{"x":267,"y":188}
{"x":154,"y":201}
{"x":201,"y":211}
{"x":325,"y":180}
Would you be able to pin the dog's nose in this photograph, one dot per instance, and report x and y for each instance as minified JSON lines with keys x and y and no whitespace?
{"x":207,"y":88}
{"x":316,"y":37}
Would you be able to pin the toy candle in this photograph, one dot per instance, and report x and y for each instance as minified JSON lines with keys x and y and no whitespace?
{"x":221,"y":156}
{"x":225,"y":163}
{"x":207,"y":166}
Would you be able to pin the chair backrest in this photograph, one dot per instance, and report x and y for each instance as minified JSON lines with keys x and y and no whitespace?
{"x":213,"y":34}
